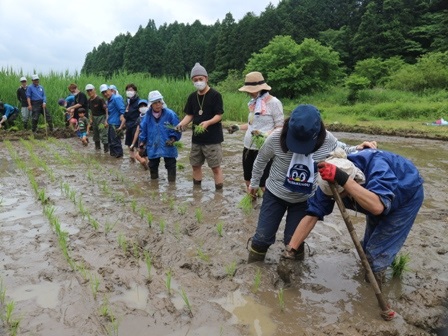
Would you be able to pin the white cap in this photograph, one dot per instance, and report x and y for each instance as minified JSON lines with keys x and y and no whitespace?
{"x":103,"y":87}
{"x":154,"y":96}
{"x":34,"y":77}
{"x":113,"y":87}
{"x":89,"y":87}
{"x":23,"y":79}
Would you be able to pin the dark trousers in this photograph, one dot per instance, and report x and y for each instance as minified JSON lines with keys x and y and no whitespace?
{"x":36,"y":110}
{"x":170,"y":163}
{"x":115,"y":147}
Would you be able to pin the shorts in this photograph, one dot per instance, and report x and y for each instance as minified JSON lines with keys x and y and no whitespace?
{"x":82,"y":134}
{"x":211,"y":153}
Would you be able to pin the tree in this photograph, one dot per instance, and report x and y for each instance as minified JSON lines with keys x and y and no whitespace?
{"x":293,"y":69}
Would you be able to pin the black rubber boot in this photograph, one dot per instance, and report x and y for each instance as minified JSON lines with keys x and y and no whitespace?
{"x":97,"y":145}
{"x":197,"y":182}
{"x":34,"y":126}
{"x":171,"y":174}
{"x":106,"y":148}
{"x":154,"y":174}
{"x":255,"y":253}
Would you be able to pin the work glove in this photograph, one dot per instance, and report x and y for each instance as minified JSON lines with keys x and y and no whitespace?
{"x":289,"y":253}
{"x":170,"y":142}
{"x":232,"y":129}
{"x":329,"y":172}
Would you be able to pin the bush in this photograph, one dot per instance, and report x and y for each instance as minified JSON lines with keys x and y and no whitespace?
{"x":355,"y":83}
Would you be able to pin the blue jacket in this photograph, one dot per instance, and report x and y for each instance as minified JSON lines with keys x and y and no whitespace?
{"x":155,"y":133}
{"x":10,"y":110}
{"x":392,"y":177}
{"x":116,"y":108}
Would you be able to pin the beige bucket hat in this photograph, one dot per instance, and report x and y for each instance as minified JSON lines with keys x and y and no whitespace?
{"x":254,"y":82}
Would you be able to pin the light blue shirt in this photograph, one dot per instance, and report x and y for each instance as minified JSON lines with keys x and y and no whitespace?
{"x":36,"y":92}
{"x":116,"y":108}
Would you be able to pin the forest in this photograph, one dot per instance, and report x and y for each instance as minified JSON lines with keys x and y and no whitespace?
{"x":355,"y":30}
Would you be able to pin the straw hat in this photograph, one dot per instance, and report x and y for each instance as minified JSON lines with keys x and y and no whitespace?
{"x":254,"y":82}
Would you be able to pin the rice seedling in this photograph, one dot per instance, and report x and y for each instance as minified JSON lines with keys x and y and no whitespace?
{"x":148,"y":263}
{"x":135,"y":250}
{"x":257,"y":281}
{"x":187,"y":301}
{"x":219,"y":228}
{"x":119,"y":198}
{"x":246,"y":204}
{"x":93,"y":222}
{"x":169,"y":126}
{"x":81,"y":268}
{"x":168,"y":282}
{"x":142,"y":212}
{"x":180,"y":166}
{"x":82,"y":210}
{"x":199,"y":129}
{"x":153,"y":195}
{"x":177,"y":232}
{"x":231,"y":269}
{"x":114,"y":324}
{"x":14,"y":327}
{"x":90,"y":176}
{"x":104,"y":308}
{"x":108,"y":227}
{"x":198,"y":214}
{"x":72,"y":196}
{"x":171,"y":203}
{"x":162,"y":225}
{"x":202,"y":255}
{"x":9,"y":309}
{"x":178,"y":144}
{"x":400,"y":265}
{"x":49,"y":211}
{"x":41,"y":196}
{"x":94,"y":285}
{"x":2,"y":292}
{"x":258,"y":140}
{"x":133,"y":205}
{"x":182,"y":209}
{"x":123,"y":243}
{"x":149,"y":218}
{"x":281,"y":299}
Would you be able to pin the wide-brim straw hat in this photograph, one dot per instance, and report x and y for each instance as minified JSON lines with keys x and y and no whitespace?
{"x":254,"y":82}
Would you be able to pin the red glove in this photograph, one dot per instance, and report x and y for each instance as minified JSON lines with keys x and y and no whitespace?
{"x":329,"y":172}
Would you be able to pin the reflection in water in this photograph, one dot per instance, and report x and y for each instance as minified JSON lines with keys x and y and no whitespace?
{"x":46,"y":294}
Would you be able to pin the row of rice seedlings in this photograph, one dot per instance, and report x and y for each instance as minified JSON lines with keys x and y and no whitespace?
{"x":94,"y":285}
{"x":107,"y":313}
{"x":231,"y":269}
{"x":37,"y":160}
{"x":187,"y":301}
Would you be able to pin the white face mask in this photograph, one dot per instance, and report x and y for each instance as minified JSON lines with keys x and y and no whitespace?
{"x":130,"y":94}
{"x":200,"y":85}
{"x":143,"y":109}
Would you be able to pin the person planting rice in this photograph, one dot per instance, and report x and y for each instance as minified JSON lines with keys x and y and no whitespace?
{"x":159,"y":139}
{"x":265,"y":115}
{"x":294,"y":149}
{"x":386,"y":187}
{"x":8,"y":114}
{"x":205,"y":108}
{"x":140,"y":155}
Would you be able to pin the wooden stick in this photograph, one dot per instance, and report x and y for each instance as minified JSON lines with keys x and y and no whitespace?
{"x":387,"y":313}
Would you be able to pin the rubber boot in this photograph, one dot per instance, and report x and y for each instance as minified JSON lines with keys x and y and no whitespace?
{"x":106,"y":148}
{"x":25,"y":125}
{"x":197,"y":182}
{"x":380,"y":278}
{"x":300,"y":254}
{"x":34,"y":126}
{"x":171,"y":174}
{"x":154,"y":174}
{"x":255,"y":253}
{"x":219,"y":186}
{"x":97,"y":145}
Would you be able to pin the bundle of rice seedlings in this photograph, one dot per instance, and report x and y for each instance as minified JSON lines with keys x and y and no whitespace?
{"x":178,"y":144}
{"x":258,"y":140}
{"x":246,"y":204}
{"x":169,"y":126}
{"x":198,"y":129}
{"x":400,"y":265}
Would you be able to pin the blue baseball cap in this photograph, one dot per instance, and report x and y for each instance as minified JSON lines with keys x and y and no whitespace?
{"x":303,"y":129}
{"x":143,"y":101}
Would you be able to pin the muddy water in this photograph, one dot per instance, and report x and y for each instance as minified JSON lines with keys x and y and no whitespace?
{"x":328,"y":295}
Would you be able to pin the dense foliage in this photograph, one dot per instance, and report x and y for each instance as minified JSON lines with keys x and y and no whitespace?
{"x":356,"y":29}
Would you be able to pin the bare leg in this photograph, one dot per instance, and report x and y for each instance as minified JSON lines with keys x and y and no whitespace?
{"x":218,"y":176}
{"x":197,"y":173}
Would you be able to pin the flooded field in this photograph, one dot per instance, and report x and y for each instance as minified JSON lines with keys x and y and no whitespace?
{"x":89,"y":245}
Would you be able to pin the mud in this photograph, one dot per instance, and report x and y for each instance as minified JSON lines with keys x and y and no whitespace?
{"x":55,"y":295}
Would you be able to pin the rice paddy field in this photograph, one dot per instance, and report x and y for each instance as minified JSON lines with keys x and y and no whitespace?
{"x":89,"y":245}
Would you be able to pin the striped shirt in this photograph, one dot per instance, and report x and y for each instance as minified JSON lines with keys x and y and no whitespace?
{"x":277,"y":175}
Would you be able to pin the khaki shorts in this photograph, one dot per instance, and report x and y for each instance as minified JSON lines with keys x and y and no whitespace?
{"x":211,"y":153}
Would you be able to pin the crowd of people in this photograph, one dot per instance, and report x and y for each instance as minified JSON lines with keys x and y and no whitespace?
{"x":287,"y":158}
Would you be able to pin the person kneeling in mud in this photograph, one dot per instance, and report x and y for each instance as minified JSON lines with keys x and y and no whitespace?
{"x":141,"y":155}
{"x":158,"y":134}
{"x":83,"y":127}
{"x":386,"y":187}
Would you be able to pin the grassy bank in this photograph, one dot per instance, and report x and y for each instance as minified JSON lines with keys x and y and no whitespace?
{"x":376,"y":108}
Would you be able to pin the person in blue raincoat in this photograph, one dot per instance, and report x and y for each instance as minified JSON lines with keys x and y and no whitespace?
{"x":8,"y":113}
{"x":158,"y":134}
{"x":386,"y":187}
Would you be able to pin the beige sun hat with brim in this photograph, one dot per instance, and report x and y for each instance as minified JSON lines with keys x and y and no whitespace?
{"x":254,"y":82}
{"x":339,"y":159}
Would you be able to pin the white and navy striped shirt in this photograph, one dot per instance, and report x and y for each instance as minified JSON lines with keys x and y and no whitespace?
{"x":271,"y":149}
